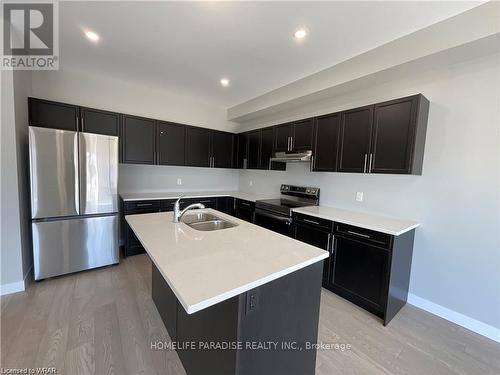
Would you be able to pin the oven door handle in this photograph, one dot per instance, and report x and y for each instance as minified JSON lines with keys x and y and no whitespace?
{"x":283,"y":219}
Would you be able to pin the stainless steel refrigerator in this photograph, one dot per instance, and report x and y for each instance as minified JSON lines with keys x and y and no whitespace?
{"x":74,"y":200}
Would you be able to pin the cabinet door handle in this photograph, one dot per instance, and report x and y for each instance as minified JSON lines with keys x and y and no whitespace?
{"x":245,"y":204}
{"x":77,"y":123}
{"x":370,"y":163}
{"x":364,"y":165}
{"x":358,"y":234}
{"x":291,"y":143}
{"x":310,"y":221}
{"x":311,"y":165}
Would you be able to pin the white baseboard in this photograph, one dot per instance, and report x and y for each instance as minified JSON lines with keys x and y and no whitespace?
{"x":474,"y":325}
{"x":12,"y":288}
{"x":19,"y":286}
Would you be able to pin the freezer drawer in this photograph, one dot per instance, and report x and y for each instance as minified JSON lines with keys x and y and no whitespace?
{"x":98,"y":174}
{"x":53,"y":158}
{"x":70,"y":245}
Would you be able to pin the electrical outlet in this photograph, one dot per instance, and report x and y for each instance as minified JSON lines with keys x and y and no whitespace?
{"x":250,"y":183}
{"x":179,"y":181}
{"x":359,"y":196}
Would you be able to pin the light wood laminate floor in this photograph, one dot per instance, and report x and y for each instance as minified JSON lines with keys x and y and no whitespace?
{"x":103,"y":321}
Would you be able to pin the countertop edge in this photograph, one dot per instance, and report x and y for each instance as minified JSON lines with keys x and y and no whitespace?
{"x":358,"y":224}
{"x":190,"y":309}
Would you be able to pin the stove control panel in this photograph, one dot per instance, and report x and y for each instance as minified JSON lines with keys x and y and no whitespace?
{"x":305,"y":191}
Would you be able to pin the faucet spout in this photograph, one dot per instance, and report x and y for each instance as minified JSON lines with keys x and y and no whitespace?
{"x":178,"y":213}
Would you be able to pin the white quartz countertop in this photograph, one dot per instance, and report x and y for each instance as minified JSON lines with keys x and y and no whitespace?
{"x":140,"y":196}
{"x":205,"y":268}
{"x":382,"y":224}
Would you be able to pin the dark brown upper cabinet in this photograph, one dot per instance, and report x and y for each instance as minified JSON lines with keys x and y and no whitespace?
{"x":222,"y":149}
{"x":242,"y":151}
{"x":302,"y":135}
{"x":398,"y":138}
{"x":198,"y":151}
{"x":282,"y":137}
{"x":326,"y":143}
{"x":260,"y":150}
{"x":387,"y":137}
{"x":99,"y":122}
{"x":355,"y":135}
{"x":253,"y":149}
{"x":294,"y":137}
{"x":170,"y":143}
{"x":138,"y":140}
{"x":49,"y":114}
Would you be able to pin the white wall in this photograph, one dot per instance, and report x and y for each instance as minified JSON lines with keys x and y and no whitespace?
{"x":456,"y":261}
{"x":135,"y":178}
{"x":15,"y":251}
{"x":115,"y":95}
{"x":100,"y":91}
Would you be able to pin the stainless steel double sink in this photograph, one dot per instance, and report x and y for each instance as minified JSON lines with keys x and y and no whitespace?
{"x":205,"y":221}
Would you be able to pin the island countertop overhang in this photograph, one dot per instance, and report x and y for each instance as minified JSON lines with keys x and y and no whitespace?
{"x":205,"y":268}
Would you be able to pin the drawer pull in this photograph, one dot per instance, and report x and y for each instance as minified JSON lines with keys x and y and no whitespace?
{"x":358,"y":234}
{"x":310,"y":221}
{"x":245,"y":204}
{"x":144,"y":204}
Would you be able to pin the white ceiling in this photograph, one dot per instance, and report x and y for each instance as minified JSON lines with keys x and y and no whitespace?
{"x":188,"y":46}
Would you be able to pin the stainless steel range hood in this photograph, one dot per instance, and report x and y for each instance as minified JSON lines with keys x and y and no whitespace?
{"x":296,"y":157}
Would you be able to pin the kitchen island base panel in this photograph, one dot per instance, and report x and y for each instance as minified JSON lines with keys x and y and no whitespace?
{"x":284,"y":311}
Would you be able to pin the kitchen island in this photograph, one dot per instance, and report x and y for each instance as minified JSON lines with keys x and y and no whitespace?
{"x":240,"y":300}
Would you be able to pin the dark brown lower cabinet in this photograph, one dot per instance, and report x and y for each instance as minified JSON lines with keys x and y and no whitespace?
{"x":319,"y":238}
{"x":368,"y":268}
{"x":130,"y":242}
{"x":360,"y":270}
{"x":225,"y":204}
{"x":244,"y":210}
{"x":284,"y":311}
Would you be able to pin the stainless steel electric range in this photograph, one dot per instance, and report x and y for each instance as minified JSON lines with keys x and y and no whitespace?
{"x":276,"y":214}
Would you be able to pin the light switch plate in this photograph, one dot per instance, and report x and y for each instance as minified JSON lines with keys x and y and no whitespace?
{"x":179,"y":181}
{"x":359,"y":196}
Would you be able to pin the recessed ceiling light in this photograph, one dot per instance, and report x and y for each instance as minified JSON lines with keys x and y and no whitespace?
{"x":300,"y":34}
{"x":224,"y":82}
{"x":94,"y":37}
